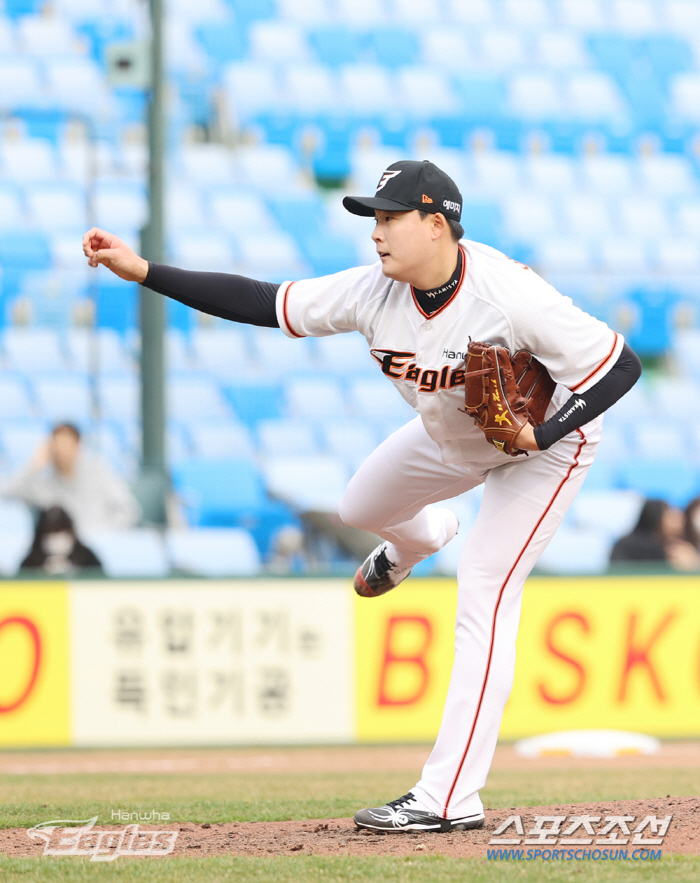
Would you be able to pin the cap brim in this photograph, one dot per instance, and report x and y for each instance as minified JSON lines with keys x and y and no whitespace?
{"x":367,"y":205}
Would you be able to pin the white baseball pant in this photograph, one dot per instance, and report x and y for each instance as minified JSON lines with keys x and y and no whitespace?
{"x":523,"y":504}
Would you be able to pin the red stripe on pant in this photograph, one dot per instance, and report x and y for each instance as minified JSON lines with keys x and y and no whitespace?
{"x":495,"y":614}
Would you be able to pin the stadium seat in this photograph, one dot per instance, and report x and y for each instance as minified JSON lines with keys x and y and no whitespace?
{"x":681,"y":16}
{"x":377,"y":399}
{"x":685,"y":96}
{"x":563,"y":254}
{"x":287,"y":436}
{"x":669,"y":478}
{"x":204,"y":249}
{"x":582,"y":14}
{"x":15,"y":400}
{"x":192,"y":397}
{"x":425,"y":92}
{"x":677,"y":255}
{"x":308,"y":483}
{"x":643,"y":217}
{"x":345,"y":355}
{"x":118,"y":397}
{"x":501,"y":48}
{"x":277,"y":42}
{"x":11,"y":209}
{"x":361,"y":13}
{"x":213,"y":552}
{"x":560,"y":49}
{"x":592,"y":96}
{"x":634,"y":16}
{"x":335,"y":45}
{"x":527,"y":14}
{"x":253,"y":401}
{"x":667,"y":175}
{"x":528,"y":216}
{"x":223,"y":41}
{"x":366,"y":90}
{"x":687,"y":217}
{"x":497,"y":171}
{"x":55,"y":206}
{"x":613,"y":511}
{"x":20,"y":83}
{"x":417,"y":13}
{"x":551,"y":173}
{"x":206,"y":165}
{"x":44,"y":36}
{"x":534,"y":95}
{"x":120,"y":205}
{"x":587,"y":215}
{"x":63,"y":398}
{"x":251,"y":88}
{"x":183,"y":206}
{"x":77,"y":85}
{"x":223,"y":352}
{"x":446,"y":47}
{"x":310,"y":13}
{"x":471,"y":12}
{"x":138,"y":552}
{"x":270,"y":168}
{"x":313,"y":397}
{"x":273,"y":348}
{"x":216,"y":491}
{"x":620,"y":254}
{"x":351,"y":440}
{"x":33,"y":349}
{"x":221,"y":438}
{"x":576,"y":550}
{"x":394,"y":46}
{"x":608,"y":173}
{"x":309,"y":89}
{"x":7,"y":37}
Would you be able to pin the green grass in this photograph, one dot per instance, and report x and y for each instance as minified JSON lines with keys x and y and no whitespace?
{"x":26,"y":800}
{"x":429,"y":869}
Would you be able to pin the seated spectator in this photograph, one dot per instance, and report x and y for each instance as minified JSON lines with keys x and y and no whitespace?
{"x":61,"y":473}
{"x":692,"y":522}
{"x":658,"y":536}
{"x":56,"y":549}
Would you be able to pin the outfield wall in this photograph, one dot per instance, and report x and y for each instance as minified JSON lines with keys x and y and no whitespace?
{"x":277,"y":661}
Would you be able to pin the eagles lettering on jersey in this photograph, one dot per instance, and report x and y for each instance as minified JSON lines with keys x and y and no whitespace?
{"x":399,"y":366}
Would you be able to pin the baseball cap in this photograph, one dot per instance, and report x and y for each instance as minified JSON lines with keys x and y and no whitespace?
{"x":408,"y":185}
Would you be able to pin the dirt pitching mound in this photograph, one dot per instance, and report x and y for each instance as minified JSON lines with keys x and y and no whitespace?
{"x":340,"y":837}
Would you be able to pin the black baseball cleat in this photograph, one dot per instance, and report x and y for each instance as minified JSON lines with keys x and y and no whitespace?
{"x":407,"y":814}
{"x":378,"y":575}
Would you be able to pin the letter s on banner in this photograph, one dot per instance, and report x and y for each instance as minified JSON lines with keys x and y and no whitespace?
{"x":577,"y":689}
{"x":33,"y":632}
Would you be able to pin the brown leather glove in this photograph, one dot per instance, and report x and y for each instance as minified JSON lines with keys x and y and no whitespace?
{"x":494,"y":398}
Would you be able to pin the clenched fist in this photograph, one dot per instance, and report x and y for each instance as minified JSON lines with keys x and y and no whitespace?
{"x":104,"y":248}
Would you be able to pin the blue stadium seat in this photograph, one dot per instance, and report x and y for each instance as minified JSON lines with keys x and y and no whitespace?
{"x":287,"y":436}
{"x":213,"y":552}
{"x":676,"y":481}
{"x":336,"y":45}
{"x":63,"y":397}
{"x":393,"y":46}
{"x":482,"y":222}
{"x":15,"y":400}
{"x":327,"y":253}
{"x":296,"y":214}
{"x":138,"y":552}
{"x":255,"y":401}
{"x":16,"y":8}
{"x":652,"y":333}
{"x":223,"y":42}
{"x":252,"y":10}
{"x":33,"y":349}
{"x":669,"y":55}
{"x":117,"y":303}
{"x":24,"y":251}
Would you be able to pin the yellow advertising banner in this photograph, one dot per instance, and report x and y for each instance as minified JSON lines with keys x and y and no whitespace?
{"x":608,"y":652}
{"x":34,"y":688}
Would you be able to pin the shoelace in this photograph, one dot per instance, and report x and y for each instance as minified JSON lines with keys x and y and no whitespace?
{"x":401,"y":801}
{"x":382,"y":565}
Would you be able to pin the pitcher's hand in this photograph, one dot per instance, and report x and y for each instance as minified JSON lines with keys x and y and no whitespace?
{"x":107,"y":249}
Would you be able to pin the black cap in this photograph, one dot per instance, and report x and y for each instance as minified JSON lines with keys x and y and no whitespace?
{"x":408,"y":185}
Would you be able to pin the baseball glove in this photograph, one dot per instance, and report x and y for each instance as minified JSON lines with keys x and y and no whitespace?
{"x":503,"y":394}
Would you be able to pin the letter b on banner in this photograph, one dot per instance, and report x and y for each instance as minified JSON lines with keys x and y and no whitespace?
{"x":404,"y":649}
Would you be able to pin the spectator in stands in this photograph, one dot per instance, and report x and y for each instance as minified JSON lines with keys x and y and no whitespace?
{"x":56,"y":549}
{"x":61,"y":473}
{"x":658,"y":536}
{"x":692,"y":522}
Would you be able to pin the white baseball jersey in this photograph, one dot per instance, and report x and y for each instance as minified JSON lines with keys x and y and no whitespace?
{"x":498,"y":300}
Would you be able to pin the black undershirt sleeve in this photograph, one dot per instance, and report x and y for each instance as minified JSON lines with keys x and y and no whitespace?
{"x":226,"y":295}
{"x":582,"y":407}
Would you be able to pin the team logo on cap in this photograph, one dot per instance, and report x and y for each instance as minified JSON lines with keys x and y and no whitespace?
{"x":386,"y":177}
